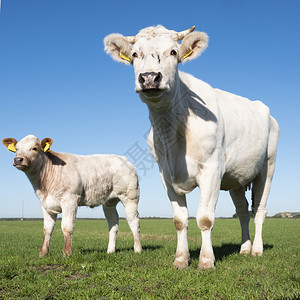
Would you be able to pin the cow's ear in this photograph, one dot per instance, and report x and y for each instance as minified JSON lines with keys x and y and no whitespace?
{"x":46,"y":143}
{"x":192,"y":46}
{"x":10,"y":144}
{"x":118,"y":47}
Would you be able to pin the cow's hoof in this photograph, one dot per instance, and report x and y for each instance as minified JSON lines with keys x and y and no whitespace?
{"x":206,"y":264}
{"x":182,"y":264}
{"x":245,"y":251}
{"x":257,"y":253}
{"x":257,"y":249}
{"x":246,"y":248}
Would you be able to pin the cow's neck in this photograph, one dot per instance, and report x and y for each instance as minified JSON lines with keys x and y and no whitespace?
{"x":169,"y":122}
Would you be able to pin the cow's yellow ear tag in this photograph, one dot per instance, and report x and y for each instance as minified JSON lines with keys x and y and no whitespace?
{"x":47,"y":147}
{"x":124,"y":57}
{"x":188,"y":54}
{"x":11,"y":147}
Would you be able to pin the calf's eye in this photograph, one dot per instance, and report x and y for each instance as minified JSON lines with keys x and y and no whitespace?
{"x":34,"y":148}
{"x":173,"y":52}
{"x":134,"y":54}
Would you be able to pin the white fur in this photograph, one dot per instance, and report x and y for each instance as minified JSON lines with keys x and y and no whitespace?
{"x":204,"y":137}
{"x":65,"y":181}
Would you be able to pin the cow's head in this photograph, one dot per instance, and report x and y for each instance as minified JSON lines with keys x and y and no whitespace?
{"x":28,"y":151}
{"x":155,"y":54}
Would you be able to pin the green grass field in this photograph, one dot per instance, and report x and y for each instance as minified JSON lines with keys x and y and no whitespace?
{"x":92,"y":274}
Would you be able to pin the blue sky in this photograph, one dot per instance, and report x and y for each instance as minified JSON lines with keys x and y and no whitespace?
{"x":56,"y":81}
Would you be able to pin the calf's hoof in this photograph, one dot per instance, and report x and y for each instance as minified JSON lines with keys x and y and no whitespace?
{"x":138,"y":248}
{"x":42,"y":254}
{"x":67,"y":253}
{"x":110,"y":251}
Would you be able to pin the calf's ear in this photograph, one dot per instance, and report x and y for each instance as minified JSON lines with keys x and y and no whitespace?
{"x":118,"y":47}
{"x":192,"y":46}
{"x":46,"y":143}
{"x":10,"y":144}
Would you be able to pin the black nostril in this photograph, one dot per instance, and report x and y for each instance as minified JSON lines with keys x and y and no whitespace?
{"x":141,"y":78}
{"x":158,"y":77}
{"x":150,"y":80}
{"x":18,"y":160}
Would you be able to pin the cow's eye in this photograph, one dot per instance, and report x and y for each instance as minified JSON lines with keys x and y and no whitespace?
{"x":173,"y":52}
{"x":34,"y":148}
{"x":134,"y":54}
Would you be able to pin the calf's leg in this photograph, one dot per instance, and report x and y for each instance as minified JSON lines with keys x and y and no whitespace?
{"x":132,"y":217}
{"x":112,"y":218}
{"x":49,"y":223}
{"x":67,"y":226}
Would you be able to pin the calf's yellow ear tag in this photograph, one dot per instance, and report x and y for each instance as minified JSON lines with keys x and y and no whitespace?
{"x":124,"y":56}
{"x":47,"y":147}
{"x":11,"y":147}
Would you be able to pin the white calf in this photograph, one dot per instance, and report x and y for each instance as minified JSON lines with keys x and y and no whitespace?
{"x":65,"y":181}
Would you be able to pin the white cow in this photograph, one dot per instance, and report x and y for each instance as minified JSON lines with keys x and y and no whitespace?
{"x":200,"y":136}
{"x":64,"y":181}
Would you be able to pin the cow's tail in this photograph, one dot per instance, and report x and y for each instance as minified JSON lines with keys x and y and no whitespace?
{"x":252,"y":200}
{"x":249,"y":187}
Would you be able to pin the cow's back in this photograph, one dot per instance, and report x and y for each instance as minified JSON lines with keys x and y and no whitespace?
{"x":246,"y":135}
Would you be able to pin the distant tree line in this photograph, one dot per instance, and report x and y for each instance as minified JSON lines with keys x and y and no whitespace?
{"x":278,"y":215}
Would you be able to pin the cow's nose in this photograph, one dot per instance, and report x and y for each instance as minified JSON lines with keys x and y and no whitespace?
{"x":150,"y":80}
{"x":18,"y":160}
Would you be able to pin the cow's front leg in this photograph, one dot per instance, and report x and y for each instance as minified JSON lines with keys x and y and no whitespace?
{"x":49,"y":223}
{"x":209,"y":183}
{"x":67,"y":225}
{"x":181,"y":220}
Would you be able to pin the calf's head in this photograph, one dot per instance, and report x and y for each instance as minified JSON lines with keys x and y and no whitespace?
{"x":155,"y":53}
{"x":29,"y":151}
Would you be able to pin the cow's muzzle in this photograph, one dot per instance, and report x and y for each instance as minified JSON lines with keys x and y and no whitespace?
{"x":150,"y":80}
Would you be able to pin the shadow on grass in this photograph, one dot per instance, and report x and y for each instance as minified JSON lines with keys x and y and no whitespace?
{"x":224,"y":251}
{"x":86,"y":251}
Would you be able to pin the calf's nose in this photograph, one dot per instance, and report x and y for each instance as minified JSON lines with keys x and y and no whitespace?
{"x":18,"y":160}
{"x":150,"y":80}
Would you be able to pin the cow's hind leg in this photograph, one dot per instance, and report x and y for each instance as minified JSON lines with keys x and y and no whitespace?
{"x":112,"y":218}
{"x":49,"y":223}
{"x":132,"y":217}
{"x":260,"y":190}
{"x":241,"y":206}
